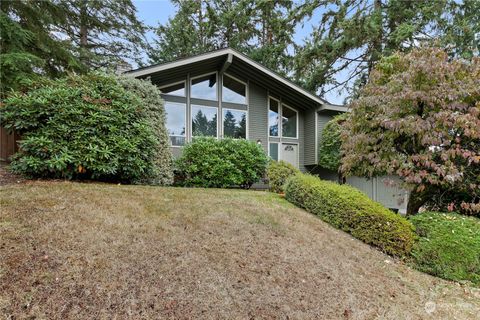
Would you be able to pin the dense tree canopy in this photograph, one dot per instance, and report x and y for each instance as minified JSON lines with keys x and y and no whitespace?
{"x":353,"y":35}
{"x":419,"y":118}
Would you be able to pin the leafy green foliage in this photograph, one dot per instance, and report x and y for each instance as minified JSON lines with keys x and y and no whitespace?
{"x":352,"y":211}
{"x":153,"y":104}
{"x":85,"y":127}
{"x":329,"y":156}
{"x":208,"y":162}
{"x":352,"y":36}
{"x":277,"y":173}
{"x":448,"y":246}
{"x":419,"y":118}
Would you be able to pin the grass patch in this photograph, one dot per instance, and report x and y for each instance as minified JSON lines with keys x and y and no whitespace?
{"x":448,"y":246}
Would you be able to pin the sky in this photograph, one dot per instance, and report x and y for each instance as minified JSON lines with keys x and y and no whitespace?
{"x":153,"y":12}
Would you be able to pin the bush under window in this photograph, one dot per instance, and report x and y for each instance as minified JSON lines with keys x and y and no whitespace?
{"x":277,"y":173}
{"x":208,"y":162}
{"x":87,"y":127}
{"x":350,"y":210}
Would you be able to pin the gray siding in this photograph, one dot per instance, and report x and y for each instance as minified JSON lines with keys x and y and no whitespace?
{"x":258,"y":114}
{"x":309,"y":138}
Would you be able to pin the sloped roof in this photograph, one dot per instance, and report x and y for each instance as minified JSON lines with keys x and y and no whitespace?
{"x":227,"y":53}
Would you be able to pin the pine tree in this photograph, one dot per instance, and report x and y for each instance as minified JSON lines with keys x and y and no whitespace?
{"x":104,"y":33}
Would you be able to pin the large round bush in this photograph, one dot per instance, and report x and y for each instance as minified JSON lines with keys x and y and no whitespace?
{"x":208,"y":162}
{"x":82,"y":127}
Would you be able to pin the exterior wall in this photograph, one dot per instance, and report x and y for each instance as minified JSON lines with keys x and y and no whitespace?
{"x":258,"y":115}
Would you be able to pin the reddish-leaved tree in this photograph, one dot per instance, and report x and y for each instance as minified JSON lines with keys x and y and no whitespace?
{"x":418,"y":118}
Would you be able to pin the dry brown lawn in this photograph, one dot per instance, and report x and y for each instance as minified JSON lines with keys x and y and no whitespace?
{"x":99,"y":251}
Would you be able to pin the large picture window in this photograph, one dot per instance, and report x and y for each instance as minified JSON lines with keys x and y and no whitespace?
{"x":204,"y":87}
{"x":289,"y":122}
{"x":273,"y":117}
{"x":234,"y":124}
{"x":233,"y":90}
{"x":204,"y":121}
{"x":176,"y":123}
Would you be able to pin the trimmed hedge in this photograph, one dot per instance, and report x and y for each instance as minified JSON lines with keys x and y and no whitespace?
{"x":352,"y":211}
{"x":277,"y":173}
{"x":448,"y":246}
{"x":221,"y":163}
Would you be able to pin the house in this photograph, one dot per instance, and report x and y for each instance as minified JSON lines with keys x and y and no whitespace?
{"x":224,"y":93}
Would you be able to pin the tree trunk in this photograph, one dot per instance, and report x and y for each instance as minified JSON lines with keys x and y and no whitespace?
{"x":83,"y":33}
{"x":415,"y":202}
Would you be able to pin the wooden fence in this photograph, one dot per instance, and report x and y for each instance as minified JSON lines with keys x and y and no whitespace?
{"x":8,"y":144}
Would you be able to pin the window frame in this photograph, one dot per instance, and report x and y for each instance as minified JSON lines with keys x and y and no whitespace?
{"x":238,"y":80}
{"x":279,"y":158}
{"x":217,"y":98}
{"x":191,"y":120}
{"x":279,"y":115}
{"x":185,"y":117}
{"x":172,"y":84}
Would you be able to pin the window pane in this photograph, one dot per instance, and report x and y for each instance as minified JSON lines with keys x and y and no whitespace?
{"x":234,"y":124}
{"x":289,"y":122}
{"x":176,"y":122}
{"x":274,"y":151}
{"x":205,"y":87}
{"x":175,"y":90}
{"x":204,"y":121}
{"x":273,"y":118}
{"x":233,"y":91}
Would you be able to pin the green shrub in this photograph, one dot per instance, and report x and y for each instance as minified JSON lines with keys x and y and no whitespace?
{"x":352,"y":211}
{"x":329,"y":156}
{"x":277,"y":173}
{"x":208,"y":162}
{"x":153,"y":104}
{"x":448,"y":246}
{"x":86,"y":127}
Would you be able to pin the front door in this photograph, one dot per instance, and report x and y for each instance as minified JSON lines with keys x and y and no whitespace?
{"x":290,"y":153}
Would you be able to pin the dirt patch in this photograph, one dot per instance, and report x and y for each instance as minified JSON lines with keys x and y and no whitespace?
{"x":72,"y":250}
{"x":6,"y":177}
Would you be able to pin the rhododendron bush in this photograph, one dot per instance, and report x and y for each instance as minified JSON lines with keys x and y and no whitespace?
{"x":418,"y":118}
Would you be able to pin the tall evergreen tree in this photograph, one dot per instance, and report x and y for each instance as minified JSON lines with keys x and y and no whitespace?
{"x":103,"y":33}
